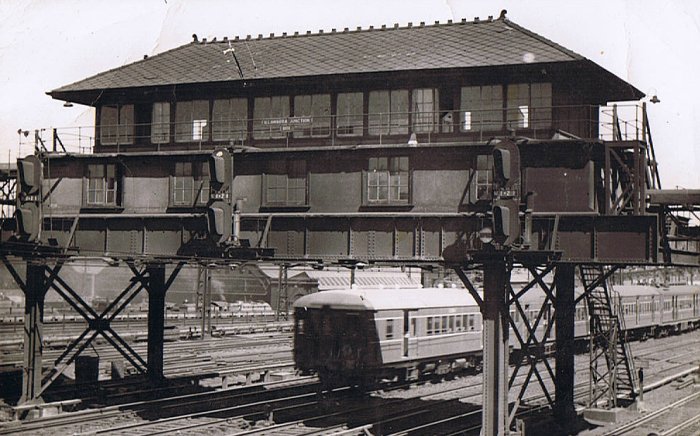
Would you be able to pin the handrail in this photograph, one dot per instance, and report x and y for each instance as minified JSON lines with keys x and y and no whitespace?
{"x":618,"y":122}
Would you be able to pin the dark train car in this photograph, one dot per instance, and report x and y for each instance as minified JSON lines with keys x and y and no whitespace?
{"x":358,"y":336}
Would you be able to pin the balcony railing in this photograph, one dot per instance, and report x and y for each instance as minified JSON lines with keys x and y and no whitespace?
{"x":617,"y":122}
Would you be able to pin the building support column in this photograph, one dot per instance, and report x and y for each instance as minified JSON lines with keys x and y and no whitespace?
{"x":564,"y":310}
{"x":34,"y":295}
{"x":495,"y":325}
{"x":156,"y":320}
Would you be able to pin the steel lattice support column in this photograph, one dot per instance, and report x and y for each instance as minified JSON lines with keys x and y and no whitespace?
{"x":34,"y":294}
{"x":495,"y":320}
{"x":156,"y":319}
{"x":564,"y":310}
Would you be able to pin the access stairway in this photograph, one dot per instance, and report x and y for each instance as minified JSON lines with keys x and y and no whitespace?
{"x":612,"y":373}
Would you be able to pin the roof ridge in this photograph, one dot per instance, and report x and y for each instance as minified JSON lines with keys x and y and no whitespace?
{"x":347,"y":30}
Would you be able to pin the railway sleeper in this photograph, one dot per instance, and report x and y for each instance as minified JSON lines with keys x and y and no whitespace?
{"x":39,"y":410}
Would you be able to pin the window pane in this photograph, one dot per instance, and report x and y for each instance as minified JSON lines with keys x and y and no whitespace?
{"x":425,"y":113}
{"x":160,"y":123}
{"x":126,"y":124}
{"x":518,"y":99}
{"x":349,"y":109}
{"x":230,"y":119}
{"x":270,"y":117}
{"x":109,"y":120}
{"x":379,"y":112}
{"x":399,"y":112}
{"x":192,"y":120}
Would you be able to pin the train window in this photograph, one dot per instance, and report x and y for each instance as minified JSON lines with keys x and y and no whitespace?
{"x":472,"y":324}
{"x":465,"y":321}
{"x":452,"y":324}
{"x":458,"y":323}
{"x":300,"y":326}
{"x":413,"y":327}
{"x":444,"y":325}
{"x":429,"y":323}
{"x":389,"y":328}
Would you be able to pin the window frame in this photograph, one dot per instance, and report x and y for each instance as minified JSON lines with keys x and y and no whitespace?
{"x":103,"y":190}
{"x":380,"y":177}
{"x":318,"y":112}
{"x":481,"y":108}
{"x":280,"y":171}
{"x":123,"y":126}
{"x":191,"y":115}
{"x":189,"y":178}
{"x":482,"y":177}
{"x":226,"y":122}
{"x":273,"y":123}
{"x":425,"y":116}
{"x":350,"y":122}
{"x":160,"y":122}
{"x":393,"y":117}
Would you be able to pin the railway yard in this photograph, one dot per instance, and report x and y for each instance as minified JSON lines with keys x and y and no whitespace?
{"x":245,"y":383}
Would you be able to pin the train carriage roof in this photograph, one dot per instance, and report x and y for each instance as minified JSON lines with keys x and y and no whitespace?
{"x":386,"y":299}
{"x":650,"y":290}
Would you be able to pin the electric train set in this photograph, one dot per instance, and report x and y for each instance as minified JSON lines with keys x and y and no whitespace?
{"x":360,"y":336}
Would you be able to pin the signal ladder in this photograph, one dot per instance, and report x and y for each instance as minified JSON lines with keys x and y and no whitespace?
{"x":616,"y":378}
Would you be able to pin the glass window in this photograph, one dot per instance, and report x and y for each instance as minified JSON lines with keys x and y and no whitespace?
{"x":271,"y":117}
{"x":482,"y":108}
{"x":229,"y":119}
{"x":529,"y":105}
{"x":101,"y":187}
{"x":190,"y":184}
{"x":541,"y":102}
{"x":160,"y":123}
{"x":425,"y":110}
{"x":192,"y":121}
{"x":117,"y":124}
{"x":312,"y":116}
{"x":482,"y":179}
{"x":389,"y":328}
{"x":349,"y":114}
{"x":285,"y":183}
{"x":387,"y":180}
{"x":388,"y":112}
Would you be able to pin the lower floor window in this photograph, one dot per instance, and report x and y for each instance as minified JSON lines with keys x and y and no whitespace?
{"x":285,"y":183}
{"x":101,"y":187}
{"x":387,"y":181}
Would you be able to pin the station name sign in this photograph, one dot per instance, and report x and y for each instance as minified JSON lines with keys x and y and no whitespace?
{"x":288,"y":123}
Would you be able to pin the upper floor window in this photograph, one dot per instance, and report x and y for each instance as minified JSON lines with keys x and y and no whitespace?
{"x":102,"y":186}
{"x":349,"y":108}
{"x":482,"y":179}
{"x":192,"y":121}
{"x":284,"y":184}
{"x":312,"y":115}
{"x":481,"y":108}
{"x":160,"y":123}
{"x":117,"y":124}
{"x":425,"y":110}
{"x":271,"y":117}
{"x":387,"y":181}
{"x":388,"y":112}
{"x":190,"y":184}
{"x":529,"y":105}
{"x":230,"y":119}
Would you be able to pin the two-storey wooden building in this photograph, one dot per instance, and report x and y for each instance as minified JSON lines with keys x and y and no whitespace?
{"x":354,"y":143}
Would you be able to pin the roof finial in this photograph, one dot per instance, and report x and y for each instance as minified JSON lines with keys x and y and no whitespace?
{"x":194,"y":38}
{"x":503,"y":14}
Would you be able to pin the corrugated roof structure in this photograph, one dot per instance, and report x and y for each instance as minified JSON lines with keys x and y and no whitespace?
{"x":463,"y":44}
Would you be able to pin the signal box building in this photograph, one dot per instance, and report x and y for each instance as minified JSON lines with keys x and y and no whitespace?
{"x":371,"y":143}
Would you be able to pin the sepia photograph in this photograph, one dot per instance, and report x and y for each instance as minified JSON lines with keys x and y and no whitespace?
{"x":437,"y":217}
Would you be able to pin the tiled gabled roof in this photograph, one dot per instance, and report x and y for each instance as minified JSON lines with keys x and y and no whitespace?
{"x":414,"y":47}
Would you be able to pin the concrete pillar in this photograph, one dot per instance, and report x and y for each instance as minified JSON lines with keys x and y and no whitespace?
{"x":35,"y":292}
{"x":564,"y":412}
{"x":495,"y":374}
{"x":156,"y":319}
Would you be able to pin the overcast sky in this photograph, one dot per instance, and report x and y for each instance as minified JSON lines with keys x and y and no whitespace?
{"x":655,"y":45}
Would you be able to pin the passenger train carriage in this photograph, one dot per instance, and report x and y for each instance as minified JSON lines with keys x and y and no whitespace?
{"x":357,"y":336}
